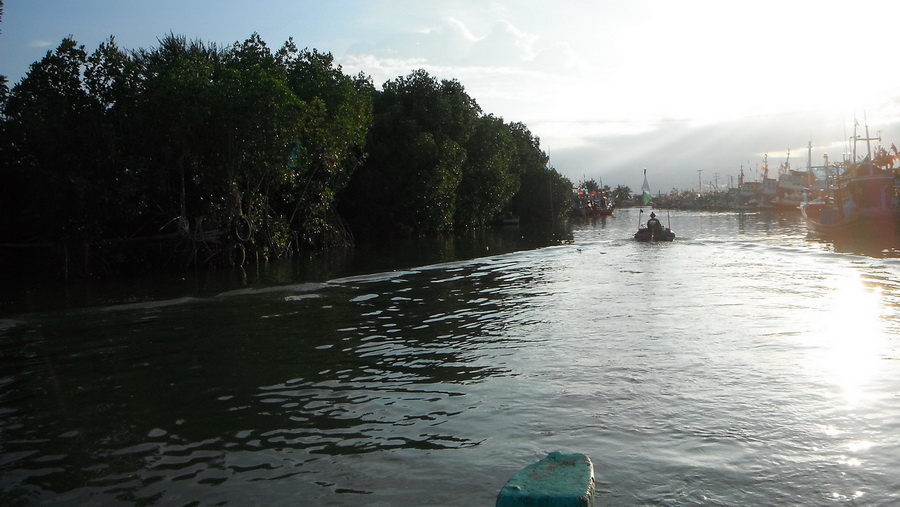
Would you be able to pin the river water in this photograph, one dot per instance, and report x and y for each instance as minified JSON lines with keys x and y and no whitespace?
{"x":745,"y":363}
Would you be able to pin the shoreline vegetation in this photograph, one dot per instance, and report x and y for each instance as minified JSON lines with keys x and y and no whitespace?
{"x":189,"y":154}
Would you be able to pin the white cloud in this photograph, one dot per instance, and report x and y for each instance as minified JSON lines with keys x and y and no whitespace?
{"x":39,"y":43}
{"x":601,"y":81}
{"x":462,"y":29}
{"x":381,"y":69}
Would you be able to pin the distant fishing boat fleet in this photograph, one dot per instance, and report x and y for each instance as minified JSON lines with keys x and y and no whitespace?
{"x":588,"y":203}
{"x":860,"y":191}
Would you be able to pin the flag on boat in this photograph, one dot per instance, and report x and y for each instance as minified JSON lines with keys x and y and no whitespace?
{"x":645,"y":188}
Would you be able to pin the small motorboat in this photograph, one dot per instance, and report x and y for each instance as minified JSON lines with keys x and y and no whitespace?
{"x":653,"y":231}
{"x":647,"y":234}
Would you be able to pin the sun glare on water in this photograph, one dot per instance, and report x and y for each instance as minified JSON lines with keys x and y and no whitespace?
{"x":850,"y":335}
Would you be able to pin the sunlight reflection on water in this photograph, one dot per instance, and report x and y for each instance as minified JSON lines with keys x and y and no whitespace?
{"x":851,"y":334}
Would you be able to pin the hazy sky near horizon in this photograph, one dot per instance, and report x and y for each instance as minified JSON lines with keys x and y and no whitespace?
{"x":611,"y":87}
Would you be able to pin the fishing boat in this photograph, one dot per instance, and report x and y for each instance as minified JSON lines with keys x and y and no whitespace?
{"x":793,"y":188}
{"x":796,"y":186}
{"x":793,"y":185}
{"x":862,"y":196}
{"x":602,"y":206}
{"x":768,"y":188}
{"x":588,"y":203}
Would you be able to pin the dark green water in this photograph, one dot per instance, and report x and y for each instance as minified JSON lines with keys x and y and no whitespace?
{"x":20,"y":297}
{"x":744,"y":363}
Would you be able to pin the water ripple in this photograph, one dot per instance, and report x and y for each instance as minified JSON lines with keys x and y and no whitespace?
{"x":746,"y":365}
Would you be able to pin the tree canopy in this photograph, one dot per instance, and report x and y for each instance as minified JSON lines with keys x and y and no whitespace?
{"x":187,"y":136}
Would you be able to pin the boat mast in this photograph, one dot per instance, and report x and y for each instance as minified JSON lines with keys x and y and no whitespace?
{"x":809,"y":156}
{"x":868,"y":144}
{"x":867,"y":139}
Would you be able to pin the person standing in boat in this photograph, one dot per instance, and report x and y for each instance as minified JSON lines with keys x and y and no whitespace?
{"x":653,"y":224}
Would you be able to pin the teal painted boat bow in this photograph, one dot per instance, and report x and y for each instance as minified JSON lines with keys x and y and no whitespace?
{"x":559,"y":480}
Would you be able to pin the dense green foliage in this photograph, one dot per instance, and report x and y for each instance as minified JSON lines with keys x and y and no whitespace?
{"x":436,"y":162}
{"x":623,"y":194}
{"x":4,"y":89}
{"x":178,"y":140}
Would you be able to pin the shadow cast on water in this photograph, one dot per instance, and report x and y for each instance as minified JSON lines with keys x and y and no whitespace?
{"x":868,"y":240}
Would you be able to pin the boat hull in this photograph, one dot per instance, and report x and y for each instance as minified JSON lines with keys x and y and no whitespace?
{"x":827,"y":219}
{"x":648,"y":235}
{"x":864,"y":196}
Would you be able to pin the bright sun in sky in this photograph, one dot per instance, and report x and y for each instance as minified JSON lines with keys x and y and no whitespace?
{"x":610,"y":86}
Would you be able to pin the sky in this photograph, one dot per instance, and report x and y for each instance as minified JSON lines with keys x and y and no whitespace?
{"x":693,"y":91}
